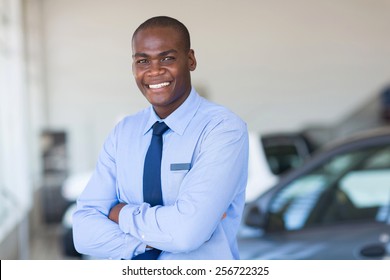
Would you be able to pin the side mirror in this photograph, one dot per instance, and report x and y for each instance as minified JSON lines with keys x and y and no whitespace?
{"x":254,"y":217}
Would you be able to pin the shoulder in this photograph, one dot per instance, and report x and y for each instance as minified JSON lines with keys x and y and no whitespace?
{"x":134,"y":120}
{"x":220,"y":116}
{"x":130,"y":125}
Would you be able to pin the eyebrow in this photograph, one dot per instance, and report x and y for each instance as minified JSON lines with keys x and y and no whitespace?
{"x":164,"y":53}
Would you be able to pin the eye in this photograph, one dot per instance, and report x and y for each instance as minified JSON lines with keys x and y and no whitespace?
{"x":142,"y":61}
{"x":168,"y":58}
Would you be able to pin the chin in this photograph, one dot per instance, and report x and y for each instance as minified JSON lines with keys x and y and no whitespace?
{"x":158,"y":101}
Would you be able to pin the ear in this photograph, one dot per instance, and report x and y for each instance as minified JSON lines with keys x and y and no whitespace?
{"x":191,"y":60}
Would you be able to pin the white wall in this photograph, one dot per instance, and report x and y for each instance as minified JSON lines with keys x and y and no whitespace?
{"x":278,"y":64}
{"x":15,"y":180}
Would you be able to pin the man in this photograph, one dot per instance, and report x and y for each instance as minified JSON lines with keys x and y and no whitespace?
{"x":203,"y":165}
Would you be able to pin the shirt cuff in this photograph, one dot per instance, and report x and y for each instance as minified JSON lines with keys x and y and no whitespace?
{"x":140,"y":222}
{"x":125,"y":216}
{"x":128,"y":252}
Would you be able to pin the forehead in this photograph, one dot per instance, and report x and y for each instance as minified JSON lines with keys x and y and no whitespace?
{"x":157,"y":39}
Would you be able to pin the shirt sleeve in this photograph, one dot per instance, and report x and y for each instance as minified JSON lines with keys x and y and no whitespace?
{"x":93,"y":232}
{"x":218,"y":175}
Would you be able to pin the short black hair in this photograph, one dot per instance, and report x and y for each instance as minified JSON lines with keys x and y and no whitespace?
{"x":165,"y":21}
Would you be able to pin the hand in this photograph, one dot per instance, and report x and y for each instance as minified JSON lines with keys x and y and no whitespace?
{"x":114,"y":212}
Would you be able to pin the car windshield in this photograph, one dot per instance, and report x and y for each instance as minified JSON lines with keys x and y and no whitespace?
{"x":348,"y":187}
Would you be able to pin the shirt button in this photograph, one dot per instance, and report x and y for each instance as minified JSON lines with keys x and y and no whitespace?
{"x":136,"y":212}
{"x":143,"y":236}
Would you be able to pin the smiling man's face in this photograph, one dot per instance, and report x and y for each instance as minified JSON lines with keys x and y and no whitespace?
{"x":161,"y":67}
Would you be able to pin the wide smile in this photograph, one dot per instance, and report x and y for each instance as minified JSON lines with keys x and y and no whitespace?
{"x":158,"y":86}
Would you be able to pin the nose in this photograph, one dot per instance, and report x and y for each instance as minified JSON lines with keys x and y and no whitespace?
{"x":155,"y":69}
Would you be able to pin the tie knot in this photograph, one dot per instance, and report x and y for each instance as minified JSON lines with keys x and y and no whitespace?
{"x":159,"y":128}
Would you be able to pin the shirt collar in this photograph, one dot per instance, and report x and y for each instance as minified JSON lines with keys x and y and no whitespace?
{"x":180,"y":118}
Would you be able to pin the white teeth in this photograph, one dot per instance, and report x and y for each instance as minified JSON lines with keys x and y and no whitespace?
{"x":159,"y":85}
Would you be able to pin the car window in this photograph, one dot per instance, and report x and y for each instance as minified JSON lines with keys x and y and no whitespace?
{"x":282,"y":158}
{"x":285,"y":151}
{"x":348,"y":187}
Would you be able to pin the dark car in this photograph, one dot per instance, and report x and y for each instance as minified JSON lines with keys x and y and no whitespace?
{"x":385,"y":103}
{"x":286,"y":151}
{"x":336,"y":206}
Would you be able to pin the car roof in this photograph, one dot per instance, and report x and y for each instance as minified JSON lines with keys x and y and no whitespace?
{"x":364,"y":137}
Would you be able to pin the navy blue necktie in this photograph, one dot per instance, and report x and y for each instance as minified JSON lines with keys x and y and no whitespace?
{"x":152,"y":179}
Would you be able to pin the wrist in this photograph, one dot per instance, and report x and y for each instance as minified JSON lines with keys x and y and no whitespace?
{"x":114,"y":212}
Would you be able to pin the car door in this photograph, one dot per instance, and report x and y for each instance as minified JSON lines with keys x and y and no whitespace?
{"x":342,"y":204}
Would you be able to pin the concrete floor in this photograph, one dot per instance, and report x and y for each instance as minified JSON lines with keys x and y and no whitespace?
{"x":45,"y":243}
{"x":45,"y":231}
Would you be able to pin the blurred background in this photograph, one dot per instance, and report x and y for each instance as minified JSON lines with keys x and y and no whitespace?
{"x":318,"y":68}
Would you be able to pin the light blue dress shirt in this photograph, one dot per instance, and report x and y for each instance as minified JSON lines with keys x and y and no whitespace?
{"x":203,"y":175}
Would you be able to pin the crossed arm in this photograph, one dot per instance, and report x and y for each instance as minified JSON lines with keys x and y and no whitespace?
{"x":114,"y":213}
